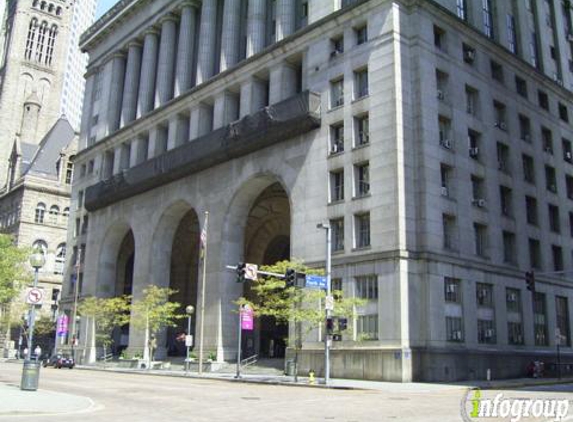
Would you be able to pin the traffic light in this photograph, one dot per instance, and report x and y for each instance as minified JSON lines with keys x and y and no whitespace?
{"x":342,"y":324}
{"x":329,"y":326}
{"x":55,"y":294}
{"x":241,"y":272}
{"x":530,"y":281}
{"x":290,"y":277}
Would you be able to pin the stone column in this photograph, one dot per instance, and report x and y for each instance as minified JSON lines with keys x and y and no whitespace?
{"x":166,"y":64}
{"x":200,"y":121}
{"x":85,"y":127}
{"x":148,"y":72}
{"x":185,"y":49}
{"x":207,"y":41}
{"x":282,"y":83}
{"x":230,"y":40}
{"x":285,"y":18}
{"x":157,"y":141}
{"x":131,"y":83}
{"x":256,"y":26}
{"x":117,"y":159}
{"x":253,"y":97}
{"x":116,"y":92}
{"x":178,"y":131}
{"x":225,"y":110}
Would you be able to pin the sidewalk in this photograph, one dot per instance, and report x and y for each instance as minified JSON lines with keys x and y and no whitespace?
{"x":41,"y":402}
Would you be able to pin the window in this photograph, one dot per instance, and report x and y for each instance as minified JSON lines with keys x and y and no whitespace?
{"x":474,"y":141}
{"x":60,"y":259}
{"x":499,"y":110}
{"x":505,"y":201}
{"x":567,"y":152}
{"x":547,"y":140}
{"x":69,"y":173}
{"x":521,"y":86}
{"x":515,"y":333}
{"x":496,"y":71}
{"x":452,"y":290}
{"x":509,"y":255}
{"x":550,"y":179}
{"x":40,"y":246}
{"x":563,"y":114}
{"x":462,"y":9}
{"x":486,"y":331}
{"x":337,"y":93}
{"x":360,"y":83}
{"x":446,"y":173}
{"x":524,"y":128}
{"x":337,"y":226}
{"x":511,"y":34}
{"x":361,"y":34}
{"x":337,"y":138}
{"x":480,"y":239}
{"x":513,"y":300}
{"x":337,"y":185}
{"x":472,"y":100}
{"x":66,"y":212}
{"x":534,"y":253}
{"x":367,"y":327}
{"x":337,"y":288}
{"x":336,"y":46}
{"x":441,"y":84}
{"x":50,"y":47}
{"x":468,"y":53}
{"x":362,"y":134}
{"x":478,"y":191}
{"x":85,"y":223}
{"x":362,"y":177}
{"x":444,"y":127}
{"x":439,"y":38}
{"x":487,"y":13}
{"x":562,"y":320}
{"x":531,"y":210}
{"x":543,"y":100}
{"x":484,"y":295}
{"x":454,"y":329}
{"x":367,"y":287}
{"x":80,"y":201}
{"x":553,"y":218}
{"x":540,"y":319}
{"x":54,"y":213}
{"x":534,"y":50}
{"x":571,"y":224}
{"x":40,"y":212}
{"x":503,"y":163}
{"x":362,"y":230}
{"x":557,"y":254}
{"x":528,"y":169}
{"x":449,"y":231}
{"x":569,"y":184}
{"x":40,"y":44}
{"x":32,"y":29}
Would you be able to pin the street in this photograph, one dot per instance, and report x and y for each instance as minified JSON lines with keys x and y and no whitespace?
{"x":141,"y":398}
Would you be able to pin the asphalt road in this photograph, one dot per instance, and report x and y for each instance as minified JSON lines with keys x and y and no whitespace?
{"x":142,"y":398}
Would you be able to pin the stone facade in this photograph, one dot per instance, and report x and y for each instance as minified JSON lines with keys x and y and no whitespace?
{"x":425,"y":192}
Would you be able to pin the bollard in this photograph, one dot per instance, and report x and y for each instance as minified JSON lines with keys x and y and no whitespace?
{"x":311,"y":376}
{"x":488,"y":375}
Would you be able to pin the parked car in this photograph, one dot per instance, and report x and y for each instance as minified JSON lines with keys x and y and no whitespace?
{"x":59,"y":361}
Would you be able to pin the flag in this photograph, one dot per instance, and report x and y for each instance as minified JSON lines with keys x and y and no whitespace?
{"x":203,"y":240}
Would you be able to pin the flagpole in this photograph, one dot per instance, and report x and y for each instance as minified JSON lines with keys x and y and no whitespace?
{"x":202,"y":312}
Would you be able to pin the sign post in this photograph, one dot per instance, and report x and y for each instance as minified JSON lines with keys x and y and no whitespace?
{"x":246,"y":322}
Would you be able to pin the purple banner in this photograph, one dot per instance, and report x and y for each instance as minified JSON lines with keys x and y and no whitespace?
{"x":62,"y":325}
{"x":247,"y":319}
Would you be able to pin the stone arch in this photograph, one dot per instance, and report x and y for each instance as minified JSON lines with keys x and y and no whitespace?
{"x":113,"y":245}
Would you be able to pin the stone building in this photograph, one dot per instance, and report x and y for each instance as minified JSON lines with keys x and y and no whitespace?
{"x":435,"y":137}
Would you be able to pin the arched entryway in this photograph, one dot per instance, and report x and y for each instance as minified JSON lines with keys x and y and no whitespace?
{"x":267,"y":240}
{"x":124,"y":286}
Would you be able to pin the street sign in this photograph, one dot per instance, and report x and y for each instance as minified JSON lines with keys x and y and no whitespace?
{"x":251,"y":271}
{"x":34,"y":296}
{"x":316,"y":282}
{"x":189,"y":340}
{"x":329,"y":303}
{"x":247,"y":318}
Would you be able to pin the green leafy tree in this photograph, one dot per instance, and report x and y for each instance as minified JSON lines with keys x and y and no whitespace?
{"x":105,"y":314}
{"x":270,"y":297}
{"x":154,"y":312}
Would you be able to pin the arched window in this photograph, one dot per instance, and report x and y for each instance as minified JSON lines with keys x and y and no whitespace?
{"x":40,"y":43}
{"x":51,"y":8}
{"x":30,"y":40}
{"x":41,"y":246}
{"x":51,"y":42}
{"x":54,"y":213}
{"x":40,"y":212}
{"x":35,"y":3}
{"x":43,"y":5}
{"x":60,"y":258}
{"x":66,"y":212}
{"x":58,"y":11}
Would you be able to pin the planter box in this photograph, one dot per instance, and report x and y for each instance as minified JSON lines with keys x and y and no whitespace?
{"x":207,"y":366}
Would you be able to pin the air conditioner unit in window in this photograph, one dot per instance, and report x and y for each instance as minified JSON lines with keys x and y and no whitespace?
{"x":451,"y":288}
{"x":512,"y":297}
{"x":469,"y":55}
{"x":445,"y":191}
{"x":489,"y":333}
{"x":334,"y":148}
{"x":457,"y":335}
{"x":441,"y":94}
{"x":568,"y":155}
{"x":474,"y":152}
{"x":446,"y":143}
{"x":502,"y":126}
{"x":480,"y":202}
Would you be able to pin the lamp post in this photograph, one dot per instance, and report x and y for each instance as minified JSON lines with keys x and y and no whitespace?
{"x":37,"y":261}
{"x":77,"y":320}
{"x":328,"y":228}
{"x":189,"y":310}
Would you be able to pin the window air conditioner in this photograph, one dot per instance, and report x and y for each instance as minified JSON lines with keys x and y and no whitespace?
{"x":474,"y":152}
{"x":441,"y":95}
{"x":445,"y":191}
{"x":446,"y":143}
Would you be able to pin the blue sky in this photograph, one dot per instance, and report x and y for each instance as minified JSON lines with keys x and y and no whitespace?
{"x":103,"y":6}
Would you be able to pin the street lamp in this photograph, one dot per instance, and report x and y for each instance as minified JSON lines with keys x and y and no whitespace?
{"x":75,"y":335}
{"x":189,"y":310}
{"x":328,"y":228}
{"x":37,"y":261}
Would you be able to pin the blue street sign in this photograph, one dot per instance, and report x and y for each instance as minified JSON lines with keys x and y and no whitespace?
{"x":316,"y":282}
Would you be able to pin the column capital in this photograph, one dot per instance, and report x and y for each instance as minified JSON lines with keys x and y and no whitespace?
{"x":151,"y":31}
{"x":133,"y":43}
{"x":115,"y":55}
{"x":169,"y":17}
{"x":186,"y":4}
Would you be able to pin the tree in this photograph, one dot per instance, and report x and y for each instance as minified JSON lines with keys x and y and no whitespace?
{"x":13,"y":275}
{"x":153,"y":312}
{"x":105,"y":314}
{"x":297,"y":306}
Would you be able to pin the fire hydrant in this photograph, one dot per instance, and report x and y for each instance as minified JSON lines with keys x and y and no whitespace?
{"x":311,"y":376}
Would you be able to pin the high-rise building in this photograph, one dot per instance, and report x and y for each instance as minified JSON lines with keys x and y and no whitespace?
{"x":434,"y":137}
